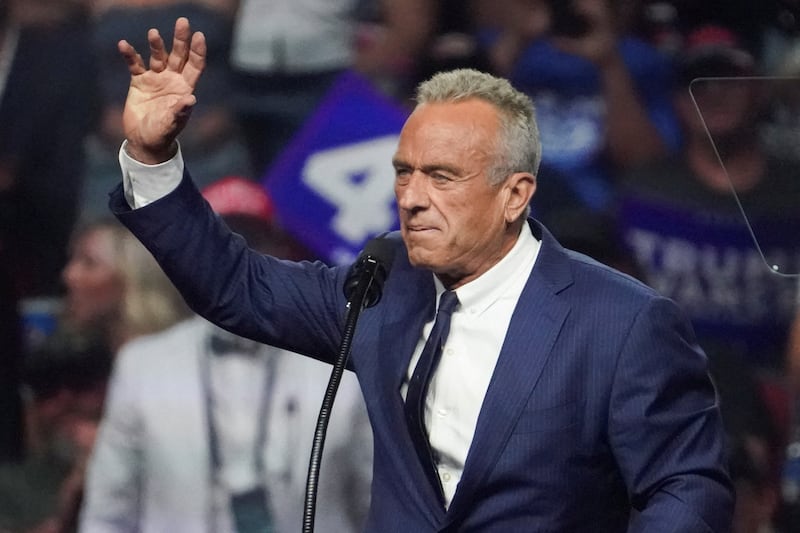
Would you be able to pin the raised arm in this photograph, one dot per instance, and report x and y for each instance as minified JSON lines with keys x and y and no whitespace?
{"x":161,"y":97}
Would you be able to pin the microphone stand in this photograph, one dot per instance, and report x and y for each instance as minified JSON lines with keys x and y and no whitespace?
{"x":362,"y":292}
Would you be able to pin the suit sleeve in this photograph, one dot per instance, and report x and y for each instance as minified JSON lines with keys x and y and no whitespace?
{"x":665,"y":428}
{"x":295,"y":306}
{"x":114,"y":485}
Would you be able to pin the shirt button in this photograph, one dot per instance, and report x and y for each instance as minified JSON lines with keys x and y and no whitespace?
{"x":446,"y":477}
{"x":449,"y":351}
{"x":442,"y":411}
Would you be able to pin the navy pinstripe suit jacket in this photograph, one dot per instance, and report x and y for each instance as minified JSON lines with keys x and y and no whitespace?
{"x":600,"y":415}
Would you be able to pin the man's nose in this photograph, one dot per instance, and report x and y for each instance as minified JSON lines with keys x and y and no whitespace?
{"x":412,"y":193}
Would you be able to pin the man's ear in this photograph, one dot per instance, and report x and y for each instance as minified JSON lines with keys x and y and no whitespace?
{"x":521,"y":187}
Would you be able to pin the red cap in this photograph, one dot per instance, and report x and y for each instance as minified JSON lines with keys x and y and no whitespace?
{"x":234,"y":195}
{"x":713,"y":51}
{"x":719,"y":42}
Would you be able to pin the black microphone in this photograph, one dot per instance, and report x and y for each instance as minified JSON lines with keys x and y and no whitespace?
{"x":362,"y":288}
{"x":370,"y":271}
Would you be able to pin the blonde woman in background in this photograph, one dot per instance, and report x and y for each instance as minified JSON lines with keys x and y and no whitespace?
{"x":115,"y":289}
{"x":115,"y":292}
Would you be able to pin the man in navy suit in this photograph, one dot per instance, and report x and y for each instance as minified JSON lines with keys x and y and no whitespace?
{"x":567,"y":398}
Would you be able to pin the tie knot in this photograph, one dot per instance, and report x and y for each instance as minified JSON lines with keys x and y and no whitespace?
{"x":448,"y":302}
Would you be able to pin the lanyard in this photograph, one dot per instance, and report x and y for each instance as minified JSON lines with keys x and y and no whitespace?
{"x":263,"y":413}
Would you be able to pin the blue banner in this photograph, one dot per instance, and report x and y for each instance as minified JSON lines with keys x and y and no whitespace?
{"x":333,"y":186}
{"x":708,"y":262}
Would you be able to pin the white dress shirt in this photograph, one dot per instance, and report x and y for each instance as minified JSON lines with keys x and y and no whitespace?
{"x":144,"y":184}
{"x":238,"y":411}
{"x":477,"y":331}
{"x":237,"y":391}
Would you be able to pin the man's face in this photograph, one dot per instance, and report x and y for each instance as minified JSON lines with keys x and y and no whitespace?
{"x":452,"y":220}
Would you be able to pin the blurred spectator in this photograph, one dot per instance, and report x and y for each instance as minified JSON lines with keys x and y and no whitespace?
{"x":781,"y":135}
{"x":247,"y":207}
{"x":67,"y":386}
{"x":690,"y":221}
{"x":285,"y":55}
{"x":746,"y":16}
{"x":602,"y":95}
{"x":403,"y":42}
{"x":217,"y":144}
{"x":115,"y":292}
{"x":682,"y":222}
{"x":115,"y":289}
{"x":756,"y":493}
{"x":659,"y":24}
{"x":781,"y":132}
{"x":685,"y":227}
{"x":46,"y":110}
{"x":390,"y":38}
{"x":754,"y":437}
{"x":781,"y":34}
{"x":196,"y":406}
{"x":766,"y":27}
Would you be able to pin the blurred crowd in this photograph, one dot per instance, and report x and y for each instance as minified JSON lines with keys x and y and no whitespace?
{"x":670,"y":132}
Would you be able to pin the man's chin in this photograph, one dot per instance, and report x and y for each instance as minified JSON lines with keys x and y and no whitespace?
{"x":420,"y":258}
{"x":424,"y":248}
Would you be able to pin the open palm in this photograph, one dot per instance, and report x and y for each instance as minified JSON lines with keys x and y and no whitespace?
{"x":160,"y":98}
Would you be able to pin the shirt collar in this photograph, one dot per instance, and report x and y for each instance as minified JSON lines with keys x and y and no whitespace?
{"x":480,"y":293}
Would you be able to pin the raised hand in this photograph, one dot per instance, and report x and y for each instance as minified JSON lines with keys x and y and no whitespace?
{"x":160,"y":99}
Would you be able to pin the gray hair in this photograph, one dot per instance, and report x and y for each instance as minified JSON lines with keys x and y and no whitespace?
{"x":519,"y":148}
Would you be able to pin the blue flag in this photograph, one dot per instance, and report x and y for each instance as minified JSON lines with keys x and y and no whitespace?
{"x":333,"y":186}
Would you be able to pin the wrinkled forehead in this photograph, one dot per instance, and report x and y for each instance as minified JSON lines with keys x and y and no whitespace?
{"x":451,"y":124}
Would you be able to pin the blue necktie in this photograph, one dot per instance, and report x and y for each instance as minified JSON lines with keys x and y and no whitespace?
{"x":418,"y":387}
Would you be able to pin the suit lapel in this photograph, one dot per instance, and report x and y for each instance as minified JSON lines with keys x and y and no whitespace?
{"x":535,"y":325}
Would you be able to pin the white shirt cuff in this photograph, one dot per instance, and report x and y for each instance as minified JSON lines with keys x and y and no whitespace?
{"x":144,"y":184}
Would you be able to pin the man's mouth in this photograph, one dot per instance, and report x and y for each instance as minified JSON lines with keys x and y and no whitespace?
{"x":418,"y":227}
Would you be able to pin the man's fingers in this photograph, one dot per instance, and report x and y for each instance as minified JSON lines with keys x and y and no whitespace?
{"x":133,"y":59}
{"x":197,"y":59}
{"x":158,"y":53}
{"x":180,"y":45}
